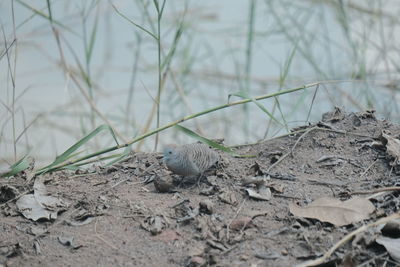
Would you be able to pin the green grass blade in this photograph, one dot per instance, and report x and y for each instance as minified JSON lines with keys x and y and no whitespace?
{"x":135,"y":24}
{"x":162,"y":8}
{"x":174,"y":123}
{"x":171,"y":52}
{"x":208,"y":141}
{"x":67,"y":154}
{"x":17,"y":167}
{"x":245,"y":96}
{"x":71,"y":167}
{"x":89,"y":51}
{"x":43,"y":15}
{"x":120,"y":157}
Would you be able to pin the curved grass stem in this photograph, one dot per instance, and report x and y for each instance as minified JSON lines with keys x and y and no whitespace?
{"x":171,"y":124}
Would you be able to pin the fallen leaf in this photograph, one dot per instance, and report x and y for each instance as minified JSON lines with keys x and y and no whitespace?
{"x":391,"y":229}
{"x":330,"y":161}
{"x":7,"y":192}
{"x":264,"y":194}
{"x":392,"y":245}
{"x":66,"y":240}
{"x":80,"y":222}
{"x":154,"y":224}
{"x":267,"y":255}
{"x":216,"y":244}
{"x":31,"y":209}
{"x":37,"y":230}
{"x":44,"y":199}
{"x":335,"y":211}
{"x":40,"y":205}
{"x":36,"y":246}
{"x":278,"y":188}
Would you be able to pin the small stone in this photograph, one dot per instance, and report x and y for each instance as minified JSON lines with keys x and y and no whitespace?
{"x":243,"y":257}
{"x":206,"y":206}
{"x":164,"y":183}
{"x":241,"y":223}
{"x":197,"y":261}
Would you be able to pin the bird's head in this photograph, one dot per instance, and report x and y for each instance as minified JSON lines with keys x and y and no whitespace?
{"x":169,"y":152}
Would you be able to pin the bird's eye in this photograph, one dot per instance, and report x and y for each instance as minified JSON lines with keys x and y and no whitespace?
{"x":169,"y":152}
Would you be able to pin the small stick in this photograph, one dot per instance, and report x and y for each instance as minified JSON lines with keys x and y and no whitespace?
{"x":234,"y":217}
{"x":373,"y":191}
{"x":367,"y":169}
{"x":301,"y":137}
{"x":347,"y":238}
{"x":291,"y":150}
{"x":15,"y":198}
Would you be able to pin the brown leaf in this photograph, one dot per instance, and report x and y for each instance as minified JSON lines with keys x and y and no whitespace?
{"x":335,"y":211}
{"x":278,"y":188}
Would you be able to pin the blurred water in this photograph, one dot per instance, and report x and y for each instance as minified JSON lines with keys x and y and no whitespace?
{"x":209,"y":64}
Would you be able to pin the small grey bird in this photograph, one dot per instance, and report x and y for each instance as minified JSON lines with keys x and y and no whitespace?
{"x":189,"y":159}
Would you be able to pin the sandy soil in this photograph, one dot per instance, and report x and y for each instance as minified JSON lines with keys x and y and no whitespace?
{"x":116,"y":217}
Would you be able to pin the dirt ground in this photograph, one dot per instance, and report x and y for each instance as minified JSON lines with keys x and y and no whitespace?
{"x":115,"y":216}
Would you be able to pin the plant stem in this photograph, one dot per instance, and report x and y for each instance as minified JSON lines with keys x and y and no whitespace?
{"x":171,"y":124}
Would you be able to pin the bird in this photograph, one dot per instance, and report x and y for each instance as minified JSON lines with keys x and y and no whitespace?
{"x":189,"y":159}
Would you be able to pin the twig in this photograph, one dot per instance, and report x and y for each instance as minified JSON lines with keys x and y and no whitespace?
{"x":367,"y":169}
{"x":279,"y":160}
{"x":10,"y":200}
{"x":108,"y":243}
{"x":383,"y":189}
{"x":234,"y":217}
{"x":347,"y":238}
{"x":367,"y":263}
{"x":291,"y":150}
{"x":102,"y":239}
{"x":301,"y":137}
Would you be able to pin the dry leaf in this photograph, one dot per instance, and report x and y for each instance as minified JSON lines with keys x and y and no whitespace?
{"x":44,"y":198}
{"x":31,"y":209}
{"x":335,"y":211}
{"x":391,"y":229}
{"x":390,"y":238}
{"x":264,"y":194}
{"x":392,"y":245}
{"x":40,"y":205}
